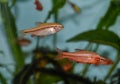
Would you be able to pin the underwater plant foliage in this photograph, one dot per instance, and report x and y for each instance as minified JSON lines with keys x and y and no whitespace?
{"x":43,"y":67}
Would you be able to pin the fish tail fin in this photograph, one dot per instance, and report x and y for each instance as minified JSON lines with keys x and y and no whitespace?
{"x":21,"y":33}
{"x":59,"y":56}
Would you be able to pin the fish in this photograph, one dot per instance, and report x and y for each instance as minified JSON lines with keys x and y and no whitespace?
{"x":67,"y":67}
{"x":44,"y":29}
{"x":66,"y":64}
{"x":83,"y":56}
{"x":23,"y":41}
{"x":39,"y":6}
{"x":74,"y":7}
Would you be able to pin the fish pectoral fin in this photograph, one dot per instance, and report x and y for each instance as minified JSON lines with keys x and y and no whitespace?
{"x":32,"y":35}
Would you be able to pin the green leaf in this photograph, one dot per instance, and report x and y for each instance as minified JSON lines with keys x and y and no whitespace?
{"x":11,"y":31}
{"x":1,"y":65}
{"x":98,"y":36}
{"x":57,"y":5}
{"x":3,"y":1}
{"x":50,"y":79}
{"x":1,"y":52}
{"x":111,"y":70}
{"x":110,"y":17}
{"x":2,"y":79}
{"x":13,"y":3}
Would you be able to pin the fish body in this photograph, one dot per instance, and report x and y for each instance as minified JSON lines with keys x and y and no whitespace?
{"x":44,"y":29}
{"x":83,"y":57}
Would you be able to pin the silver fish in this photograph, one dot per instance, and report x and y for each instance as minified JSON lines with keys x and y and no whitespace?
{"x":44,"y":29}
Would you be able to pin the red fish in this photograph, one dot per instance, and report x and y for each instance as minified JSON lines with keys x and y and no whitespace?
{"x":83,"y":56}
{"x":67,"y":67}
{"x":23,"y":41}
{"x":39,"y":6}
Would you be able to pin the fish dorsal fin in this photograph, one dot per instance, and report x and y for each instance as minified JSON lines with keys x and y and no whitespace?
{"x":39,"y":23}
{"x":79,"y":50}
{"x":59,"y":50}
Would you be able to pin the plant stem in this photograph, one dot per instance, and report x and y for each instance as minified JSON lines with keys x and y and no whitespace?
{"x":54,"y":41}
{"x":113,"y":67}
{"x":86,"y":67}
{"x":11,"y":31}
{"x":37,"y":43}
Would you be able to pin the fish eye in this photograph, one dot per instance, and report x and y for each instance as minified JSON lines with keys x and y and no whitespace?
{"x":102,"y":59}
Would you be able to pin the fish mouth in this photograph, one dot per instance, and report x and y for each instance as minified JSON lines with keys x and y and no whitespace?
{"x":58,"y":27}
{"x":109,"y":61}
{"x":61,"y":26}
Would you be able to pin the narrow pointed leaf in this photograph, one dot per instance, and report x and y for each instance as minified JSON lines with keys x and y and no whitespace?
{"x":98,"y":36}
{"x":1,"y":52}
{"x":3,"y":1}
{"x":57,"y":5}
{"x":50,"y":79}
{"x":13,"y":3}
{"x":11,"y":31}
{"x":2,"y":79}
{"x":110,"y":17}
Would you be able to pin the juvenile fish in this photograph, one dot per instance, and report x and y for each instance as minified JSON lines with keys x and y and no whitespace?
{"x":38,"y":4}
{"x":44,"y":29}
{"x":23,"y":41}
{"x":83,"y":57}
{"x":67,"y":67}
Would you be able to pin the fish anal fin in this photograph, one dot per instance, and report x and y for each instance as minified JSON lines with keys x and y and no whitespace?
{"x":70,"y":59}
